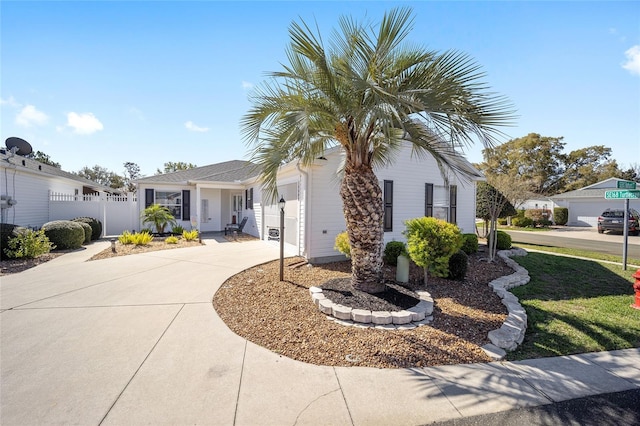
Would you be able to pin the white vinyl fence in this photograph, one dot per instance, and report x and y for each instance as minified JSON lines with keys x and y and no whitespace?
{"x":116,"y":212}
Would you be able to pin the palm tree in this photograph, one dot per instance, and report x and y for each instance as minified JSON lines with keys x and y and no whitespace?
{"x":159,"y":215}
{"x":369,"y":93}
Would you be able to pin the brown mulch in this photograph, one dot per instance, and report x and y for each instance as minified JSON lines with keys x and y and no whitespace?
{"x":281,"y":317}
{"x":155,"y":245}
{"x":13,"y":266}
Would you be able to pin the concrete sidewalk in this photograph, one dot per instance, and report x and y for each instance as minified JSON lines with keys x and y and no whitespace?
{"x":135,"y":339}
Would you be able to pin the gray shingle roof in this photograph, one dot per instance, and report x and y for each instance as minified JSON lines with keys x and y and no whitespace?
{"x":583,"y":193}
{"x":228,"y":171}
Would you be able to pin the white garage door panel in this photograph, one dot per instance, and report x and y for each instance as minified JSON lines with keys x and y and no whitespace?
{"x":586,"y":213}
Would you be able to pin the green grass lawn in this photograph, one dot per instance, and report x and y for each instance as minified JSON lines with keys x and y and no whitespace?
{"x":580,"y":253}
{"x":575,"y":306}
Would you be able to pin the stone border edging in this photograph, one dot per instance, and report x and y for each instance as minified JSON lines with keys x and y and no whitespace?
{"x":511,"y":334}
{"x":408,"y":319}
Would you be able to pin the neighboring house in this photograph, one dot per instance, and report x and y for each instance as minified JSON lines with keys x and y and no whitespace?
{"x":586,"y":204}
{"x":27,"y":187}
{"x":545,"y":204}
{"x":212,"y":196}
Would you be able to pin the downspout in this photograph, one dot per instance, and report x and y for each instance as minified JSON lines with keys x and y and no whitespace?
{"x":306,"y":212}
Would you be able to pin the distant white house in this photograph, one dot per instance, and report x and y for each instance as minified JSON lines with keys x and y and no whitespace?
{"x":212,"y":196}
{"x":586,"y":204}
{"x":29,"y":190}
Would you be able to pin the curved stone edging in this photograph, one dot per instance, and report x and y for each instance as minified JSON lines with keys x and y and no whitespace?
{"x":511,"y":334}
{"x":408,"y":319}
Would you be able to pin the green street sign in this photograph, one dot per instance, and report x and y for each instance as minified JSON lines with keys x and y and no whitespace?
{"x":625,"y":184}
{"x":621,"y":195}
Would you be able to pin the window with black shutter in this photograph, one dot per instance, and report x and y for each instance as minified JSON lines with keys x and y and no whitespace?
{"x":388,"y":205}
{"x":148,"y":197}
{"x":453,"y":204}
{"x":428,"y":199}
{"x":186,"y":204}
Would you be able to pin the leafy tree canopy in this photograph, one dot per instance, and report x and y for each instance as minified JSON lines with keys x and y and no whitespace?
{"x":43,"y":158}
{"x":486,"y":197}
{"x":102,"y":176}
{"x":170,"y":167}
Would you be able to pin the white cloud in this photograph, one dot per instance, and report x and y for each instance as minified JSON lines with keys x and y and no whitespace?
{"x":190,"y":125}
{"x":11,"y":101}
{"x":633,"y":60}
{"x":247,"y":85}
{"x":135,"y":112}
{"x":84,"y":124}
{"x":29,"y":116}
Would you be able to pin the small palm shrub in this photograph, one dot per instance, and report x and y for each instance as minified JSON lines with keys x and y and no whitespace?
{"x":95,"y":224}
{"x":142,"y":239}
{"x":342,"y":244}
{"x":178,"y":229}
{"x":159,"y":216}
{"x":561,"y":215}
{"x":65,"y":234}
{"x":87,"y":231}
{"x":470,"y":243}
{"x":190,"y":235}
{"x":28,"y":244}
{"x":458,"y":263}
{"x":392,"y":250}
{"x":126,"y":238}
{"x":504,"y":241}
{"x":171,"y":240}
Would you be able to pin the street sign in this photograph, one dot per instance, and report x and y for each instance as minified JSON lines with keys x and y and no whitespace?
{"x":622,"y":195}
{"x":625,"y":184}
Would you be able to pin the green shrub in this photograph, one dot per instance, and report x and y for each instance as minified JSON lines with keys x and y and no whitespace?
{"x":159,"y":216}
{"x":561,"y":215}
{"x":65,"y":234}
{"x":146,"y":230}
{"x":520,"y":213}
{"x":545,"y":223}
{"x":6,"y":232}
{"x":458,"y":263}
{"x":392,"y":250}
{"x":504,"y":241}
{"x":342,"y":244}
{"x":190,"y":235}
{"x":469,"y":243}
{"x":95,"y":224}
{"x":178,"y":229}
{"x":87,"y":231}
{"x":142,"y":239}
{"x":502,"y":221}
{"x":126,"y":238}
{"x":522,"y":222}
{"x":430,"y":244}
{"x":28,"y":244}
{"x":171,"y":240}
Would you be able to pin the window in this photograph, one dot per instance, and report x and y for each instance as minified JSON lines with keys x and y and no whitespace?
{"x":428,"y":199}
{"x":388,"y":205}
{"x":453,"y":204}
{"x":171,"y":200}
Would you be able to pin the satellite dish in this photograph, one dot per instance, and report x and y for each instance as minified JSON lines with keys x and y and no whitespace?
{"x":22,"y":147}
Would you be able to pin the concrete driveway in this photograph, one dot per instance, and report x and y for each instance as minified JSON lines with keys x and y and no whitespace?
{"x":135,"y":340}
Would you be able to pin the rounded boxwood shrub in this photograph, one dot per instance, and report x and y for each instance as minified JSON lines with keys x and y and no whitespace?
{"x":65,"y":234}
{"x":392,"y":250}
{"x":561,"y":215}
{"x":87,"y":231}
{"x":95,"y":224}
{"x":469,"y":243}
{"x":458,"y":263}
{"x":504,"y":241}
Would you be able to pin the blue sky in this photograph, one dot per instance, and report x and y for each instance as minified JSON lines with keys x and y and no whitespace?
{"x":150,"y":82}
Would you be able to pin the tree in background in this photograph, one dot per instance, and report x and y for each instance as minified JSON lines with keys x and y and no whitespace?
{"x":102,"y":176}
{"x":131,"y":173}
{"x":370,"y":93}
{"x":170,"y":167}
{"x":485,"y":208}
{"x":43,"y":158}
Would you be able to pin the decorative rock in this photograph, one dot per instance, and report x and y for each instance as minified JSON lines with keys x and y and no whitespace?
{"x":361,"y":315}
{"x":502,"y":339}
{"x":344,"y":322}
{"x":341,"y":312}
{"x":402,"y":317}
{"x":317,"y":297}
{"x":381,"y":317}
{"x":386,"y":327}
{"x":313,"y":290}
{"x":326,"y":306}
{"x":417,"y":314}
{"x":494,"y":352}
{"x":409,"y":326}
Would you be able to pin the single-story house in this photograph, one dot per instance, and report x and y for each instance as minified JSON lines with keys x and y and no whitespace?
{"x":210,"y":197}
{"x":28,"y":188}
{"x":586,"y":204}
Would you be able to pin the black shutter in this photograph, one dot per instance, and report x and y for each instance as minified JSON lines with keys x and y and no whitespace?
{"x":186,"y":204}
{"x":428,"y":199}
{"x":148,"y":197}
{"x":246,"y":199}
{"x":388,"y":205}
{"x":453,"y":204}
{"x":251,"y":198}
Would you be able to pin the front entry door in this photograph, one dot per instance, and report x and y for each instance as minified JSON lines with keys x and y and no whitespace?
{"x":237,"y":209}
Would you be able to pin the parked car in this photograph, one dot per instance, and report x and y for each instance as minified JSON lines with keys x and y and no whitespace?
{"x":613,"y":219}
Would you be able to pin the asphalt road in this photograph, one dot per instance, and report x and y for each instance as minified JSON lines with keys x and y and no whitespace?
{"x":554,"y":239}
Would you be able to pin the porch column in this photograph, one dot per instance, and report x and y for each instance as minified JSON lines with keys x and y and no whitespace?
{"x":198,"y":208}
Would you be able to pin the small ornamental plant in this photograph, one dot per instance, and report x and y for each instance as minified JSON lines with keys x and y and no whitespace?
{"x":342,"y":244}
{"x":28,"y":244}
{"x":142,"y":239}
{"x":171,"y":240}
{"x":190,"y":235}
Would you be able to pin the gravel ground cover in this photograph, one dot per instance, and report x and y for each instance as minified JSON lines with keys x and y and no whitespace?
{"x":280,"y":316}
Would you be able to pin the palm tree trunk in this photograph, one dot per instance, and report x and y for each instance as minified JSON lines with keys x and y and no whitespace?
{"x":363,"y":211}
